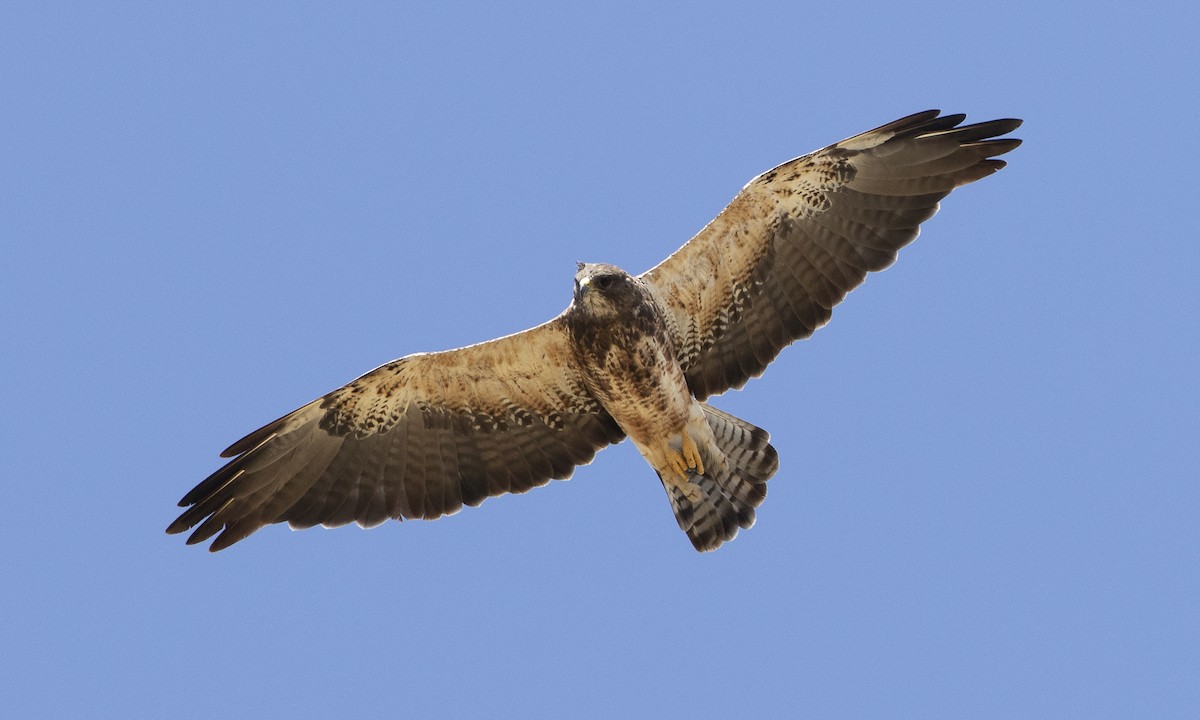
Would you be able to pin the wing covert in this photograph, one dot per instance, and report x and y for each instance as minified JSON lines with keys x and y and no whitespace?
{"x":770,"y":268}
{"x":418,"y":437}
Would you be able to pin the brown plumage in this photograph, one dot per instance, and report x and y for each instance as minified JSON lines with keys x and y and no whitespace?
{"x":426,"y":434}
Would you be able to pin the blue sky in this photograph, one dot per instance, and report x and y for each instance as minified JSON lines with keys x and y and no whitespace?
{"x":210,"y":214}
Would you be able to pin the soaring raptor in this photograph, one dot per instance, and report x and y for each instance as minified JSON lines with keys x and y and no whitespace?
{"x":632,"y":355}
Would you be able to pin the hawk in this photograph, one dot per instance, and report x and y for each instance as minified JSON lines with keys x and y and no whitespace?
{"x":633,"y":355}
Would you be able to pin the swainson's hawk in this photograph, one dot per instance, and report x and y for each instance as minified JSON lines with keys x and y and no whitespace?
{"x":426,"y":434}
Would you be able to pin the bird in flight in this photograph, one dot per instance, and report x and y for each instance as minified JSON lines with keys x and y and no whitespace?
{"x":633,"y":355}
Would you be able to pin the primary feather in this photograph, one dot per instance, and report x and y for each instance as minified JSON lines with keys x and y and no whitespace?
{"x":426,"y":434}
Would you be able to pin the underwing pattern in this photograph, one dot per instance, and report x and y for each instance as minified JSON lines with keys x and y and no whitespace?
{"x":632,"y":356}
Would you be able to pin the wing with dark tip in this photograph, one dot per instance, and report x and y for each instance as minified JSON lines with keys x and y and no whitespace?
{"x":416,"y":438}
{"x":770,"y":268}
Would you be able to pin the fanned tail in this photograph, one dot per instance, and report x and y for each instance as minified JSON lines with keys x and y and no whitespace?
{"x":714,"y":506}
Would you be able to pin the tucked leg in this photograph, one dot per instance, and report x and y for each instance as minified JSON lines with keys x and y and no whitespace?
{"x":683,"y":461}
{"x":691,"y":454}
{"x":677,"y":462}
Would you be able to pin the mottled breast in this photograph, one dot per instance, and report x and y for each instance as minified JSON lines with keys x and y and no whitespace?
{"x":622,"y":342}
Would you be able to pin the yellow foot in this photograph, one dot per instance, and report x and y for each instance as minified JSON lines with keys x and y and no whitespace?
{"x":681,"y":482}
{"x":691,"y":453}
{"x":685,"y":460}
{"x":677,"y":463}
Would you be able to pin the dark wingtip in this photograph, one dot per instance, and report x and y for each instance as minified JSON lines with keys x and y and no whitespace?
{"x":997,"y":146}
{"x":993,"y":128}
{"x":240,"y":446}
{"x":1008,"y":124}
{"x":184,"y":522}
{"x":906,"y":123}
{"x":917,"y":117}
{"x":951,"y":120}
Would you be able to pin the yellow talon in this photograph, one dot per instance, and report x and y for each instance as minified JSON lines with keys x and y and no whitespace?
{"x":691,"y":454}
{"x":678,"y":464}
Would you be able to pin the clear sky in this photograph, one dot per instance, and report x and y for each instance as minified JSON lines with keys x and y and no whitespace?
{"x":211,"y":213}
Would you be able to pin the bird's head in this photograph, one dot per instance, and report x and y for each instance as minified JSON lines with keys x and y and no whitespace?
{"x":603,"y":290}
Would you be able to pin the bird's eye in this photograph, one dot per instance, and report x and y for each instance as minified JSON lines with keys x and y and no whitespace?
{"x":604,"y":282}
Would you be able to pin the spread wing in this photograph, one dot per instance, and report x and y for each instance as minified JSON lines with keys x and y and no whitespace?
{"x":416,"y":438}
{"x":769,"y":269}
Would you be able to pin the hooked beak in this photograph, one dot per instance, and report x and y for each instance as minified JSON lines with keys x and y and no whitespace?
{"x":581,"y":288}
